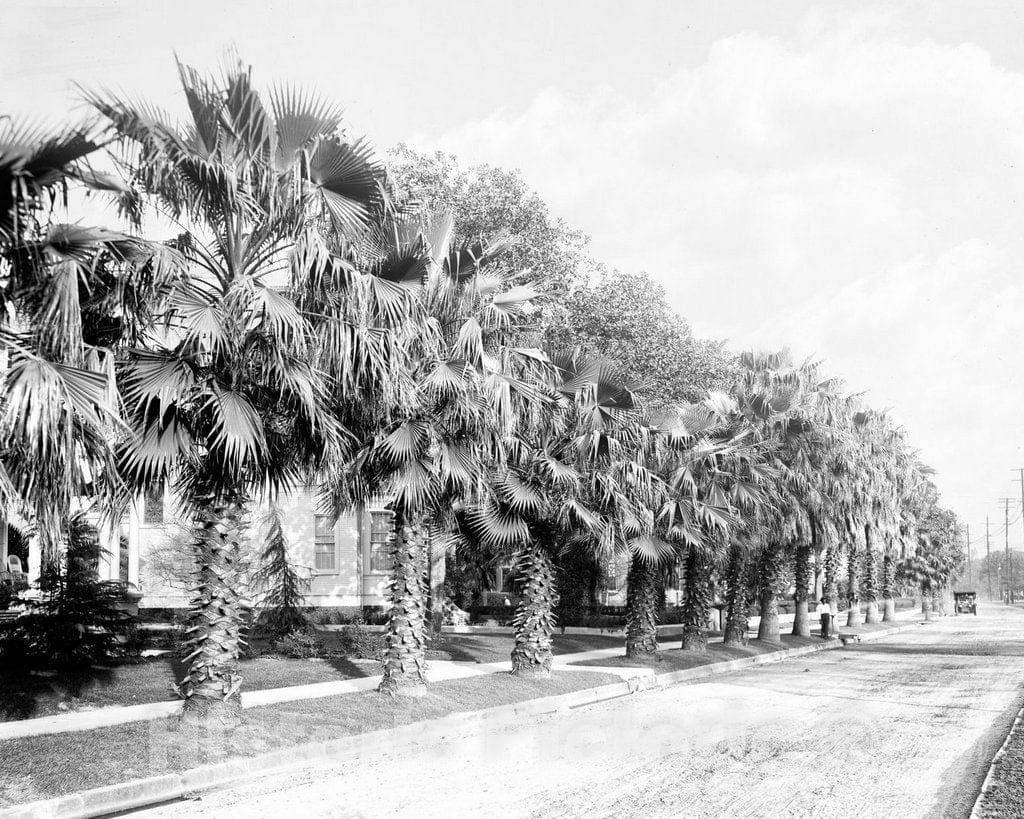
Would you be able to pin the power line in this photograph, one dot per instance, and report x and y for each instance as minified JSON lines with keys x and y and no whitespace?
{"x":988,"y":560}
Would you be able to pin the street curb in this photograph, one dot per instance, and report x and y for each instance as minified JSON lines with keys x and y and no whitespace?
{"x":995,"y":761}
{"x":139,"y":793}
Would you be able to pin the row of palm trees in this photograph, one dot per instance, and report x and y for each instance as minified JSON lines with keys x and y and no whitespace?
{"x":310,"y":323}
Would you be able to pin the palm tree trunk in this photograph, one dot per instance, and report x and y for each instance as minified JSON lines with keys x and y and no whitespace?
{"x":832,"y":581}
{"x":801,"y":620}
{"x":641,"y":609}
{"x":212,"y":685}
{"x":437,"y":563}
{"x":736,"y":597}
{"x":888,"y":588}
{"x":768,"y":579}
{"x":696,"y":603}
{"x":535,"y":615}
{"x":577,"y":592}
{"x":868,"y":579}
{"x":405,"y":641}
{"x":853,"y":615}
{"x":926,"y":602}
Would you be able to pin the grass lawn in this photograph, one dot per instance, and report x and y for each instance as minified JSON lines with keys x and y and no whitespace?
{"x":675,"y":659}
{"x":23,"y":696}
{"x":35,"y":768}
{"x":493,"y":648}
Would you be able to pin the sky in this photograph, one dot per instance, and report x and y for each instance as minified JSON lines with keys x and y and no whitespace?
{"x":845,"y":179}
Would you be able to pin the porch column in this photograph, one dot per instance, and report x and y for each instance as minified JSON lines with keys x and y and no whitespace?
{"x":35,"y":561}
{"x":819,"y":576}
{"x":108,"y":554}
{"x":3,"y":541}
{"x":134,"y":539}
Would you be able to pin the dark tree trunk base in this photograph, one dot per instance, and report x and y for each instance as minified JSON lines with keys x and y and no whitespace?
{"x":695,"y":641}
{"x":801,"y":620}
{"x":735,"y":636}
{"x":768,"y":629}
{"x":404,"y":686}
{"x":537,"y":668}
{"x":642,"y":648}
{"x":204,"y":711}
{"x":888,"y":610}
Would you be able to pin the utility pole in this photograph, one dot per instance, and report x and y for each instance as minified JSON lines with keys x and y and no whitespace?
{"x":970,"y":576}
{"x":1006,"y":532}
{"x":1022,"y":520}
{"x":988,"y":559}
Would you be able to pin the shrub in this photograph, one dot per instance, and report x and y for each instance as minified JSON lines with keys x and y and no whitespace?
{"x":78,"y":622}
{"x":301,"y":644}
{"x":356,"y":641}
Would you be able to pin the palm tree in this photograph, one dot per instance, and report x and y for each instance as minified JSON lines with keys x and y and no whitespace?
{"x":780,"y":401}
{"x":62,"y":293}
{"x":576,"y":483}
{"x":908,"y":476}
{"x":441,"y":394}
{"x":222,"y":399}
{"x":712,"y":472}
{"x":823,"y":435}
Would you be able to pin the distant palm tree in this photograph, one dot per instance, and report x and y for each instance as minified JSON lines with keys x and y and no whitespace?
{"x":779,"y":400}
{"x":711,"y":469}
{"x":221,"y":397}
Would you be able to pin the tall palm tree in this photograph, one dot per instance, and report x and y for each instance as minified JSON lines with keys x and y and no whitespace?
{"x":576,"y":483}
{"x":780,"y":401}
{"x":711,"y":467}
{"x":62,"y":293}
{"x":441,"y":406}
{"x":221,"y":397}
{"x":823,"y":436}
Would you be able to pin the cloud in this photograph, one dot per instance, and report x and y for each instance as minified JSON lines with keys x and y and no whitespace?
{"x":850,"y":190}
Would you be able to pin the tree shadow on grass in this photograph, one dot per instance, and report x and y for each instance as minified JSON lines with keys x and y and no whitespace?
{"x":25,"y":693}
{"x":348,"y":669}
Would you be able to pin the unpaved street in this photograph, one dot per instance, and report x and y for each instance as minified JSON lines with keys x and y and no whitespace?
{"x":901,"y":727}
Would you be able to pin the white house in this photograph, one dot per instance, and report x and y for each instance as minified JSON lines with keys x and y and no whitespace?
{"x":347,"y":562}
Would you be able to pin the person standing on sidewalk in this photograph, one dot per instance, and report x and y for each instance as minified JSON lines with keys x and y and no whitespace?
{"x":825,"y":613}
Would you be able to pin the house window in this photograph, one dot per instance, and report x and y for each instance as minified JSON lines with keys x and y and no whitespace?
{"x":325,"y":553}
{"x":382,"y":527}
{"x":153,"y":510}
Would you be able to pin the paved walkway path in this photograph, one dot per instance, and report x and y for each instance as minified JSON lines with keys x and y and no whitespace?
{"x":901,"y":727}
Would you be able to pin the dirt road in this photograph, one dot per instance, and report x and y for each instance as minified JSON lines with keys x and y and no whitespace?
{"x":902,"y":727}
